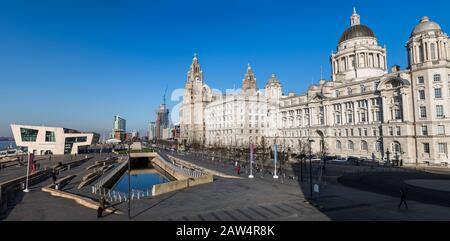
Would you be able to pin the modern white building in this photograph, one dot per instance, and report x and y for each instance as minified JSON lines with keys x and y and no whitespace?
{"x":52,"y":140}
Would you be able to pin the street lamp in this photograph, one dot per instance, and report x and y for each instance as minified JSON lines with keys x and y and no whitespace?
{"x":310,"y":168}
{"x":388,"y":153}
{"x":275,"y":161}
{"x":129,"y":180}
{"x":251,"y":162}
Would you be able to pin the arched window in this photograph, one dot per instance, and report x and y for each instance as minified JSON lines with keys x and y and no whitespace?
{"x":364,"y":146}
{"x":350,"y":145}
{"x":338,"y":145}
{"x":421,"y":58}
{"x":379,"y":146}
{"x":396,"y":147}
{"x":433,"y":51}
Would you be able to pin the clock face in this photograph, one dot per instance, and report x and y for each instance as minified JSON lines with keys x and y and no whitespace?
{"x":197,"y":79}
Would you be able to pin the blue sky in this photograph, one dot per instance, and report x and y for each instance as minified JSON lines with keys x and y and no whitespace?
{"x":78,"y":63}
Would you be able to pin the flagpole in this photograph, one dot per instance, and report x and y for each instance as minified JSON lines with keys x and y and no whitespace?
{"x":28,"y":173}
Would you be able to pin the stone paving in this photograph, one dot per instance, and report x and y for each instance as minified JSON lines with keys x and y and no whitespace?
{"x":262,"y":198}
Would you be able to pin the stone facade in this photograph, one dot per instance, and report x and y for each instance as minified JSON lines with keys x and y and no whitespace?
{"x":363,"y":111}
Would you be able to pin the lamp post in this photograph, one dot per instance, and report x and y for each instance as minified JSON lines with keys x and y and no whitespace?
{"x":30,"y":156}
{"x":129,"y":180}
{"x":251,"y":162}
{"x":310,"y":168}
{"x":275,"y":161}
{"x":388,"y":153}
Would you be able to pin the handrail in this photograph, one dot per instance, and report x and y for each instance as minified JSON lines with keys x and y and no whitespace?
{"x":180,"y":168}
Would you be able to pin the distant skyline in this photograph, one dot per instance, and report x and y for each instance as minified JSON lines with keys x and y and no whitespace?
{"x":76,"y":64}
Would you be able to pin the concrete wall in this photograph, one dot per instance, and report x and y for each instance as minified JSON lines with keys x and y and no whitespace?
{"x":177,"y":175}
{"x":159,"y":189}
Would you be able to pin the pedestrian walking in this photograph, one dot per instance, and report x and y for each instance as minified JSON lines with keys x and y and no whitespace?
{"x":54,"y":176}
{"x":101,"y":207}
{"x":403,"y":199}
{"x":238,"y":170}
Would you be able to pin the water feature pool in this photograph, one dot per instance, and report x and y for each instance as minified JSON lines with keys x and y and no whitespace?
{"x":141,"y":179}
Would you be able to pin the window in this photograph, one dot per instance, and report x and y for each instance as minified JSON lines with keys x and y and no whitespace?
{"x":421,"y":53}
{"x":440,"y":111}
{"x":351,"y":132}
{"x":442,"y":148}
{"x":391,"y":131}
{"x":441,"y":130}
{"x":364,"y":146}
{"x":350,"y":145}
{"x":376,"y":84}
{"x":421,"y":80}
{"x":349,"y":91}
{"x":424,"y":130}
{"x":363,"y":88}
{"x":438,"y":93}
{"x":363,"y":117}
{"x":433,"y":51}
{"x":421,"y":94}
{"x":360,"y":131}
{"x":337,"y":93}
{"x":76,"y":139}
{"x":28,"y":135}
{"x":437,"y":78}
{"x":338,"y":145}
{"x":377,"y":115}
{"x":396,"y":147}
{"x":374,"y":131}
{"x":365,"y":132}
{"x":338,"y":119}
{"x":350,"y":118}
{"x":50,"y":136}
{"x":346,"y":132}
{"x":423,"y":112}
{"x":398,"y":130}
{"x":398,"y":114}
{"x":426,"y":148}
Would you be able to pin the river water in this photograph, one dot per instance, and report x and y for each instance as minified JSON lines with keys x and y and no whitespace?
{"x":5,"y":144}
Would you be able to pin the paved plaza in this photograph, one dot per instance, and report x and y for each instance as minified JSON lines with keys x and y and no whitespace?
{"x":346,"y":193}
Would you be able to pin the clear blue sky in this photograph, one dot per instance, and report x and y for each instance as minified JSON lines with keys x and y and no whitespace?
{"x":78,"y":63}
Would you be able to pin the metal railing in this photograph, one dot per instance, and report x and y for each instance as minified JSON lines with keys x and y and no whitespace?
{"x":114,"y":196}
{"x":180,"y":168}
{"x":108,"y":176}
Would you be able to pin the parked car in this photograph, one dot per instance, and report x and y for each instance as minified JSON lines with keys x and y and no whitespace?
{"x":340,"y":159}
{"x":353,"y":160}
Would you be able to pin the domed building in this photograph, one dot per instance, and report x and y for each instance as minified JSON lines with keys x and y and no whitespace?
{"x":364,"y":110}
{"x":358,"y":53}
{"x":369,"y":112}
